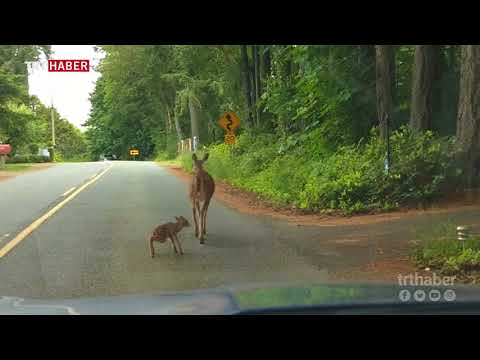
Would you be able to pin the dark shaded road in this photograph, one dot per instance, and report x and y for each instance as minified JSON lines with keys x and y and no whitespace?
{"x":96,"y":244}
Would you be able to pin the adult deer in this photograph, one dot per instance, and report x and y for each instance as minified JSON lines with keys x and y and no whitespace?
{"x":201,"y":192}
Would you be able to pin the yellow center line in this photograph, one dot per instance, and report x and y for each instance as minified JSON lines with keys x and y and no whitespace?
{"x":68,"y":191}
{"x":30,"y":228}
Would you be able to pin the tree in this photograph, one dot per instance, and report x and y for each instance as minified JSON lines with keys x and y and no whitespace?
{"x":425,"y":74}
{"x":194,"y":117}
{"x":468,"y":118}
{"x":257,"y":82}
{"x":385,"y":84}
{"x":246,"y":83}
{"x":18,"y":124}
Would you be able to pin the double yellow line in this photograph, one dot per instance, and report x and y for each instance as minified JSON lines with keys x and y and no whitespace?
{"x":30,"y":228}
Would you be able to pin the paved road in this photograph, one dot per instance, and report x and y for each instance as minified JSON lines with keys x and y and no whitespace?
{"x":96,"y":244}
{"x":24,"y":198}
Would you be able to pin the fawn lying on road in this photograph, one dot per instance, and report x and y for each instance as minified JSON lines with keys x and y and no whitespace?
{"x":169,"y":231}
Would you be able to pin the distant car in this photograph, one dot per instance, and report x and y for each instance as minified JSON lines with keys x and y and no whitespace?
{"x":108,"y":157}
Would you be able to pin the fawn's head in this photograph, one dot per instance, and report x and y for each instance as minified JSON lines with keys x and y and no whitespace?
{"x":198,"y":164}
{"x":181,"y":220}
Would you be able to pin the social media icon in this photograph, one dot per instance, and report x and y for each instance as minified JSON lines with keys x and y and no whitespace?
{"x":434,"y":295}
{"x":404,"y":295}
{"x":449,"y":295}
{"x":419,"y":295}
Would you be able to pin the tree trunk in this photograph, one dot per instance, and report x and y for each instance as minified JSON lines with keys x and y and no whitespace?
{"x":266,"y":65}
{"x":177,"y":126}
{"x":253,"y":92}
{"x":393,"y":72}
{"x":194,"y":122}
{"x":425,"y":74}
{"x":468,"y":117}
{"x":245,"y":69}
{"x":384,"y":79}
{"x":256,"y":76}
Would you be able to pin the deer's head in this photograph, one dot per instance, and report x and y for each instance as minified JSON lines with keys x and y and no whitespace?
{"x":198,"y":164}
{"x":181,"y":220}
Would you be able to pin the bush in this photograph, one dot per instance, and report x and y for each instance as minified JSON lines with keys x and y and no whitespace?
{"x":163,"y":156}
{"x":439,"y":249}
{"x":23,"y":159}
{"x":77,"y":158}
{"x":58,"y":157}
{"x":34,"y":148}
{"x":186,"y":161}
{"x":304,"y":172}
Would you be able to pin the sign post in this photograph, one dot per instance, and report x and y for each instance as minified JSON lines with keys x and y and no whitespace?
{"x":229,"y":122}
{"x":134,"y":153}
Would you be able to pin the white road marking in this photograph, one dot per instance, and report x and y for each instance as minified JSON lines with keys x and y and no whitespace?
{"x":70,"y":310}
{"x":69,"y":191}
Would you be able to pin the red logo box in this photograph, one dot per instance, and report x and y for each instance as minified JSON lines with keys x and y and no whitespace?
{"x":68,"y":65}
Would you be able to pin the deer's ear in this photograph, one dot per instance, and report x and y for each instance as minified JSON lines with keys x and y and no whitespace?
{"x":194,"y":157}
{"x":205,"y":157}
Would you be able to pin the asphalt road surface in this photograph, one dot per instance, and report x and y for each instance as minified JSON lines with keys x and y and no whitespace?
{"x":96,"y":244}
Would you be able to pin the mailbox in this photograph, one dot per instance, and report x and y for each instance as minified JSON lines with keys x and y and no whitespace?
{"x":5,"y":149}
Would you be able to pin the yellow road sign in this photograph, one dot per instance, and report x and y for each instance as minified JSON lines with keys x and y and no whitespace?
{"x":134,"y":152}
{"x":230,"y":138}
{"x":229,"y":121}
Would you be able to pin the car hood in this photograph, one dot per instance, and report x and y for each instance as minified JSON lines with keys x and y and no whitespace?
{"x":229,"y":300}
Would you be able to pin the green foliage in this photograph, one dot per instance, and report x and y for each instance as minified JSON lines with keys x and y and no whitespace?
{"x":25,"y":122}
{"x":331,"y":87}
{"x":22,"y":159}
{"x":186,"y":161}
{"x":437,"y":247}
{"x":58,"y":157}
{"x":76,"y":158}
{"x":350,"y":180}
{"x":18,"y":124}
{"x":316,"y":146}
{"x":15,"y":167}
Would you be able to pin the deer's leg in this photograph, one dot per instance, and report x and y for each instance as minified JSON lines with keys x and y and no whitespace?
{"x":204,"y":216}
{"x":195,"y":218}
{"x":152,"y":250}
{"x":198,"y":232}
{"x":179,"y":245}
{"x":173,"y":243}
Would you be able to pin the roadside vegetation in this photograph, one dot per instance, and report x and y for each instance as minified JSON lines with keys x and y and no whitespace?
{"x":437,"y":247}
{"x":25,"y":122}
{"x":349,"y":180}
{"x":16,"y":167}
{"x":318,"y":122}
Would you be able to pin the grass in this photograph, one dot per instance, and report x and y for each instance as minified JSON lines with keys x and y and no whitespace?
{"x":297,"y":171}
{"x":16,"y":167}
{"x":168,"y":162}
{"x":438,"y":248}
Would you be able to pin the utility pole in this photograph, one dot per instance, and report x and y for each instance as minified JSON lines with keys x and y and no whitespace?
{"x":53,"y":133}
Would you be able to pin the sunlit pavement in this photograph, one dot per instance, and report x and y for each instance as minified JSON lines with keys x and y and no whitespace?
{"x":96,"y":244}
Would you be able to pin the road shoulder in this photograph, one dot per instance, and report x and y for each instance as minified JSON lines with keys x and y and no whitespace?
{"x":247,"y":202}
{"x":8,"y":174}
